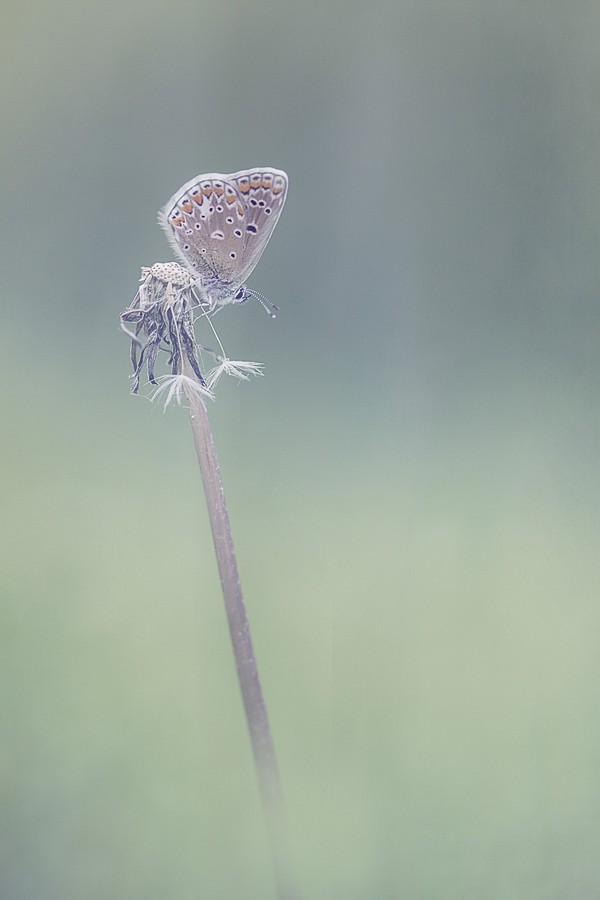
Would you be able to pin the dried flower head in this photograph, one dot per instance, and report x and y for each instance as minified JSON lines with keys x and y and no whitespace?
{"x":162,"y":315}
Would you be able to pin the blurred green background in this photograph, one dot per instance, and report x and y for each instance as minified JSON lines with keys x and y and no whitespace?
{"x":413,"y":487}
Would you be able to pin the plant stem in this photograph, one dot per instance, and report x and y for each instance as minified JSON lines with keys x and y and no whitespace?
{"x":243,"y":651}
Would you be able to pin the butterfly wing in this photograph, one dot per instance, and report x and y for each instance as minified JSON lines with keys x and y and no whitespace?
{"x":263,"y":192}
{"x":219,"y":225}
{"x":204,"y":223}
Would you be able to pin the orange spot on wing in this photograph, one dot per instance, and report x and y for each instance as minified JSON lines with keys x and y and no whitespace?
{"x":207,"y":191}
{"x":244,"y":187}
{"x":186,"y":206}
{"x":218,"y":191}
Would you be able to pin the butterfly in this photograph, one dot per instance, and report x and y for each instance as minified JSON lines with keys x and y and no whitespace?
{"x":219,"y":225}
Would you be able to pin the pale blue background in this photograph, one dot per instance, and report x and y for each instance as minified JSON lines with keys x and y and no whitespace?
{"x":413,"y":486}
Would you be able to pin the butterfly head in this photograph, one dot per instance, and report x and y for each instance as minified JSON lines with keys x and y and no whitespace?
{"x":224,"y":295}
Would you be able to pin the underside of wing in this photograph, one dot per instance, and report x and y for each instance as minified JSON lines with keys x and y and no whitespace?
{"x":219,"y":225}
{"x":263,"y":192}
{"x":204,"y":223}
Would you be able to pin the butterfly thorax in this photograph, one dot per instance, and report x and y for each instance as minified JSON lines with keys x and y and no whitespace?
{"x":218,"y":294}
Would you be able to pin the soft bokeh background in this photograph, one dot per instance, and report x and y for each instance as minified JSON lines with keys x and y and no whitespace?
{"x":413,"y":487}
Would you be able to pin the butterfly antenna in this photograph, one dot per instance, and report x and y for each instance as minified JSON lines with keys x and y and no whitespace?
{"x":269,"y":308}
